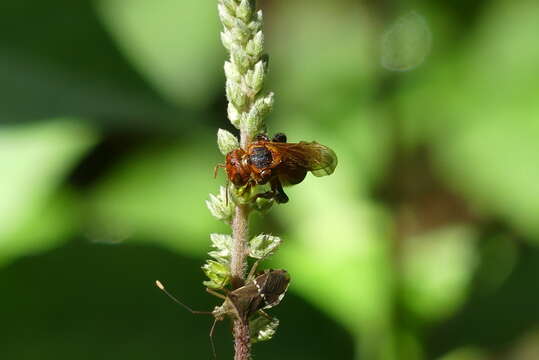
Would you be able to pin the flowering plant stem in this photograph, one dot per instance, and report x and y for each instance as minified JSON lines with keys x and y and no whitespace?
{"x":238,"y":262}
{"x":245,"y":72}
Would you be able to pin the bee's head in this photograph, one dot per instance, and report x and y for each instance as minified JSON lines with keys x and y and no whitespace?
{"x":236,"y":169}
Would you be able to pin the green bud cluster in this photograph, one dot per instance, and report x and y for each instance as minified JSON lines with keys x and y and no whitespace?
{"x":247,"y":67}
{"x":217,"y":269}
{"x":226,"y":141}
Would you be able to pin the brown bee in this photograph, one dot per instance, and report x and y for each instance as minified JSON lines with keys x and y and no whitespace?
{"x":278,"y":163}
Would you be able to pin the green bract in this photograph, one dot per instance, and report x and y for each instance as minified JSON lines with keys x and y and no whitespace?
{"x":263,"y":245}
{"x":226,"y":141}
{"x":246,"y":70}
{"x":220,"y":206}
{"x":262,"y":328}
{"x":218,"y":274}
{"x":245,"y":73}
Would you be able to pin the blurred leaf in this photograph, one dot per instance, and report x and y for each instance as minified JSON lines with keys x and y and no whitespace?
{"x":499,"y":255}
{"x":478,"y":111}
{"x":337,"y":250}
{"x":526,"y":348}
{"x":45,"y":228}
{"x":33,"y":160}
{"x":406,"y":43}
{"x":437,"y":269}
{"x":159,"y":195}
{"x":174,"y":43}
{"x":324,"y":79}
{"x":322,"y":71}
{"x":466,"y":353}
{"x":62,"y":63}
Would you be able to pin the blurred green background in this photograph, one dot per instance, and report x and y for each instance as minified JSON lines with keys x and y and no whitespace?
{"x":422,"y":245}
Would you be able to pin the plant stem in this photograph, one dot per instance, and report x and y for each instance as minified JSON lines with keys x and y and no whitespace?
{"x":245,"y":73}
{"x":238,"y":264}
{"x":240,"y":234}
{"x":242,"y":341}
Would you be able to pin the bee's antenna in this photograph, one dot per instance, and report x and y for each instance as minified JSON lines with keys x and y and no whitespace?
{"x":162,"y":288}
{"x":227,"y":190}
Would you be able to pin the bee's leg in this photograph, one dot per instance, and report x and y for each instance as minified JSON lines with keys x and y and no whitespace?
{"x":265,"y":195}
{"x":277,"y":193}
{"x":277,"y":189}
{"x":247,"y":187}
{"x":279,"y":137}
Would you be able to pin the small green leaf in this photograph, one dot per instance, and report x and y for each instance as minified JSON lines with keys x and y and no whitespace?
{"x":223,"y":245}
{"x":263,"y":245}
{"x":241,"y":59}
{"x":245,"y":10}
{"x":226,"y":141}
{"x":235,"y":94}
{"x":234,"y":115}
{"x":262,"y":328}
{"x":263,"y":205}
{"x":256,"y":80}
{"x":241,"y":31}
{"x":258,"y":44}
{"x":231,"y":72}
{"x":230,"y":4}
{"x":221,"y":207}
{"x":252,"y":123}
{"x":217,"y":273}
{"x":226,"y":39}
{"x":226,"y":16}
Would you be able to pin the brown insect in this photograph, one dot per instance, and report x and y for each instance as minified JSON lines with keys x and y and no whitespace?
{"x":261,"y":292}
{"x":278,"y":163}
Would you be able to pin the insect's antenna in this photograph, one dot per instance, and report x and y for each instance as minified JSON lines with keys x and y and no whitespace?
{"x":216,"y":169}
{"x":211,"y":339}
{"x":162,"y":288}
{"x":226,"y":196}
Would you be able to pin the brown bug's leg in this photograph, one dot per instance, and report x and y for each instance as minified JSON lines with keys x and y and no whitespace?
{"x":279,"y":137}
{"x":253,"y":269}
{"x":265,"y":314}
{"x":215,"y":293}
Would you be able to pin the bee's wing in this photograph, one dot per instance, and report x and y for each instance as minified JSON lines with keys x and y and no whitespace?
{"x":311,"y":156}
